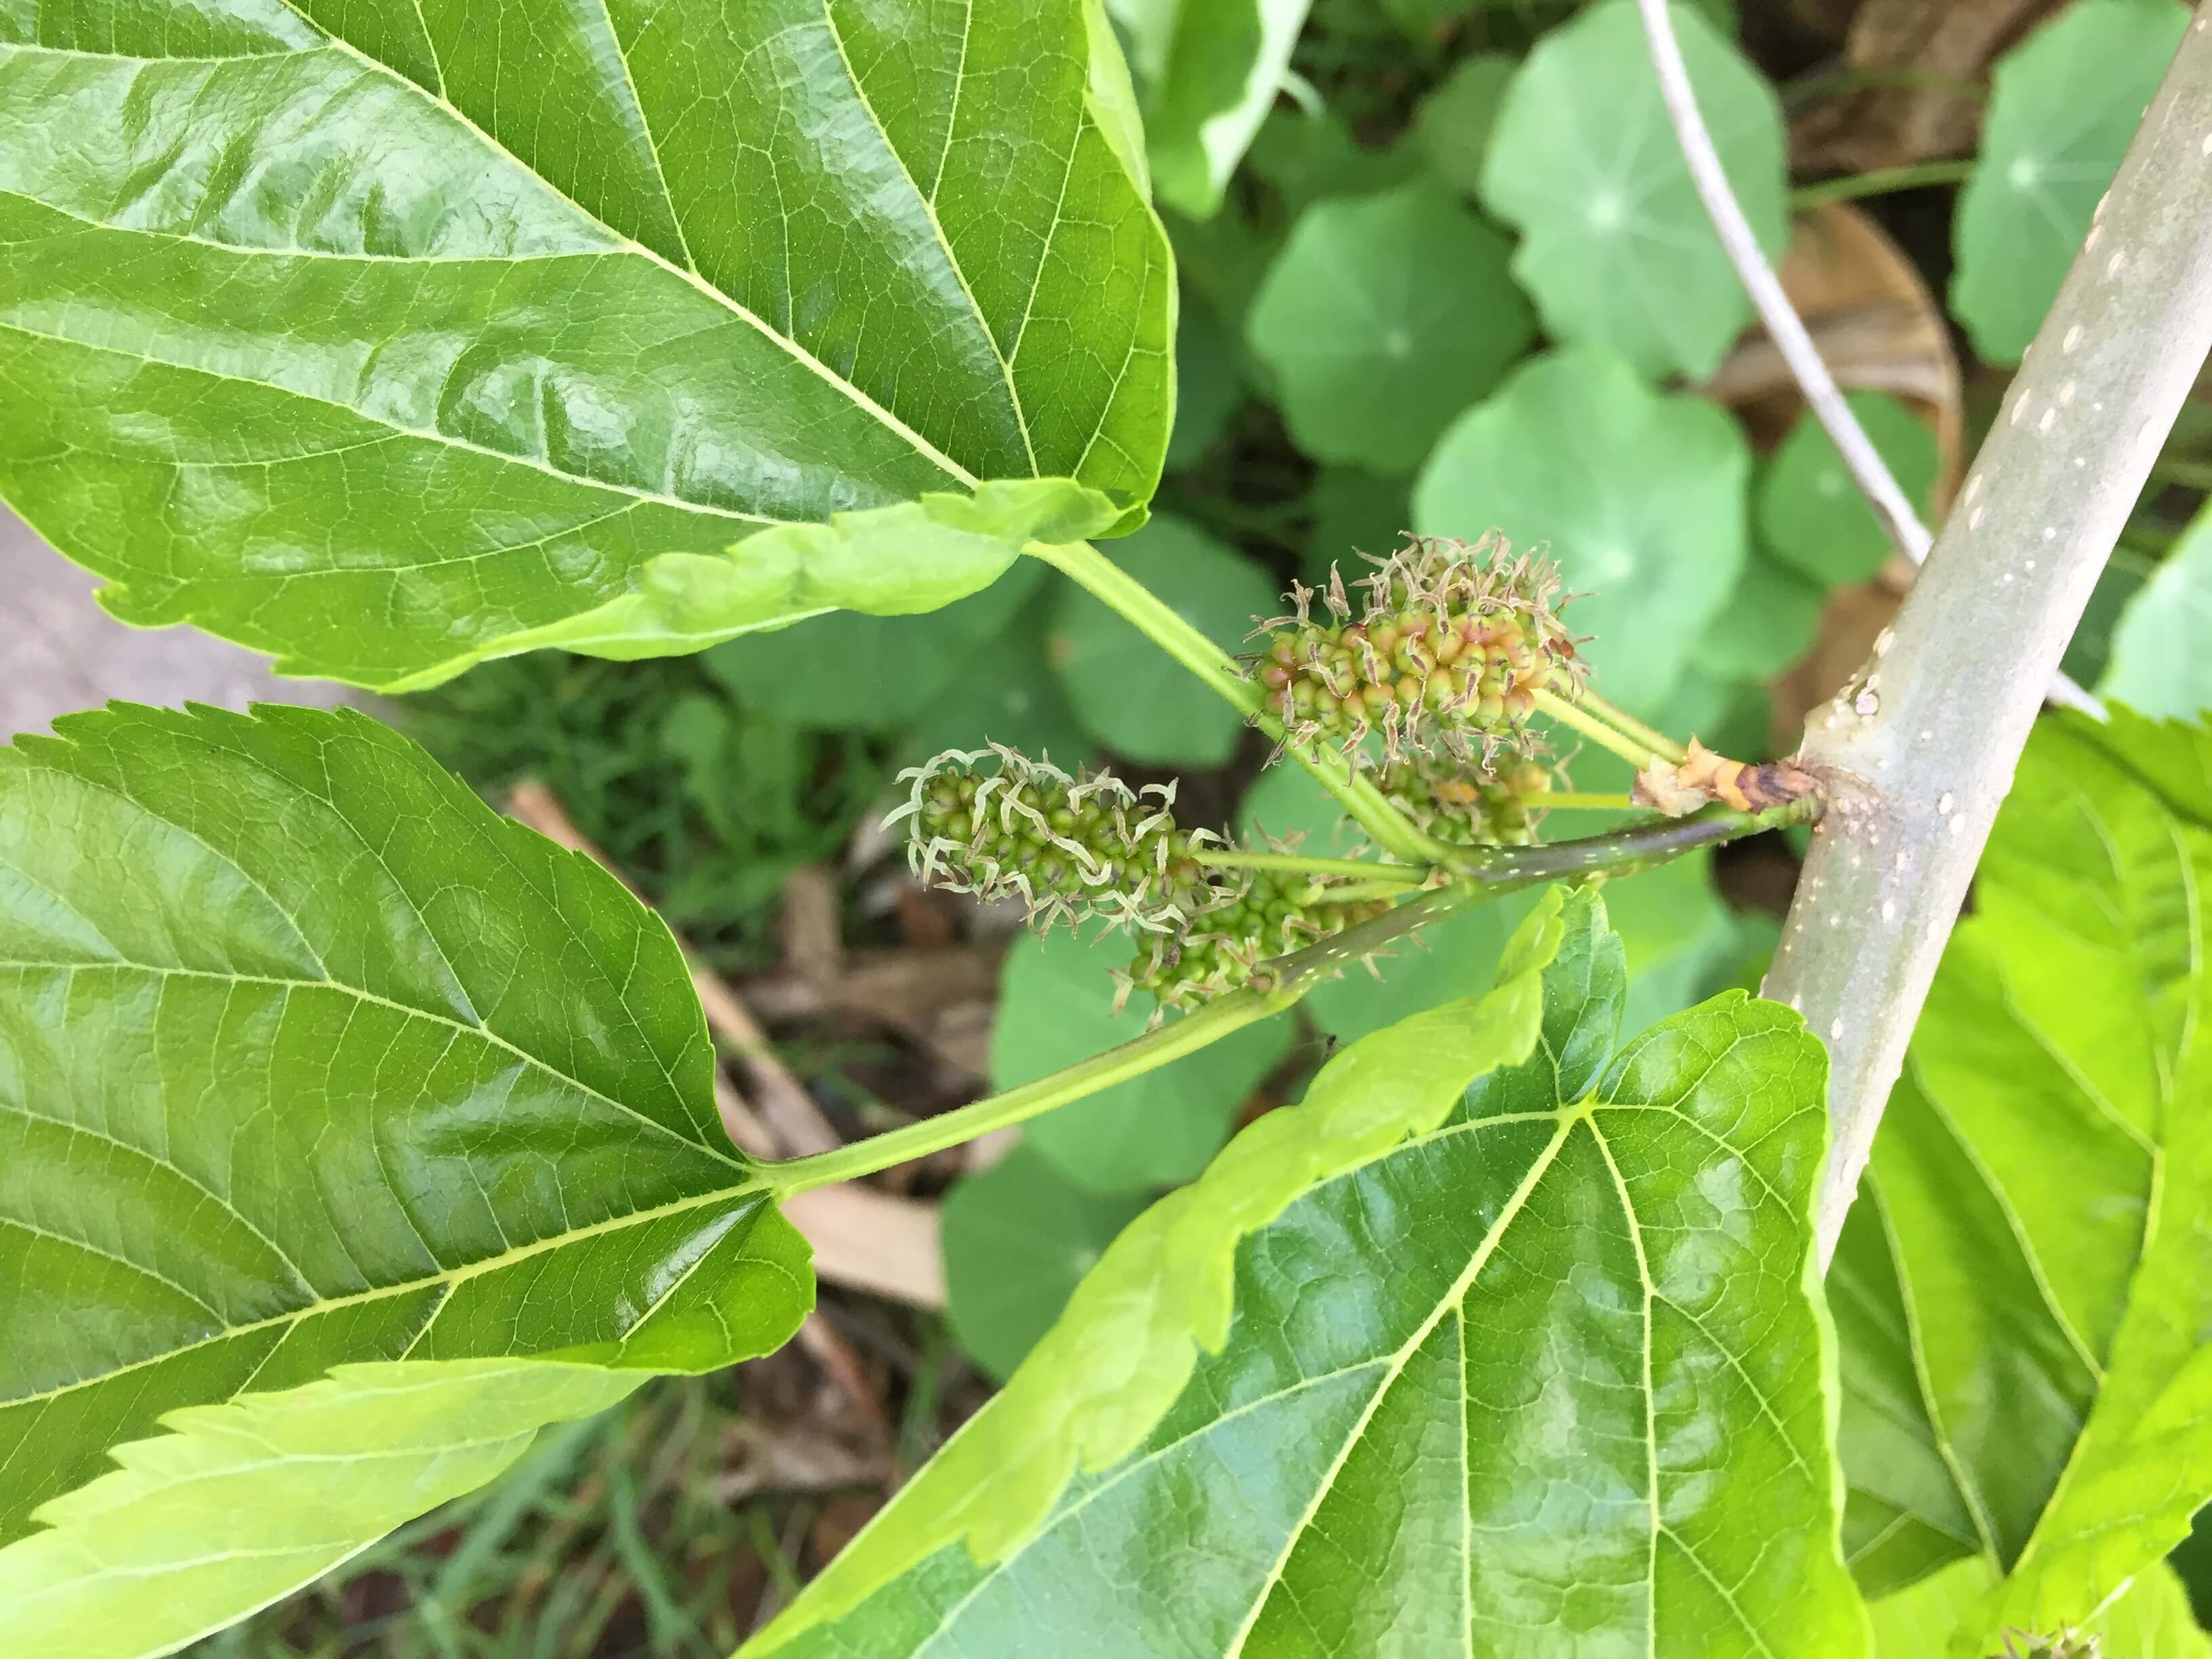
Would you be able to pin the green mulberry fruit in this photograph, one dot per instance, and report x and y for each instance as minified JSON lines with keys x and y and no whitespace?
{"x":1495,"y":808}
{"x":996,"y":823}
{"x":1253,"y":915}
{"x":1445,"y":658}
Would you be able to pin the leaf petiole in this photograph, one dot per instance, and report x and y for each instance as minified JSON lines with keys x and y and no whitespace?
{"x":1355,"y":869}
{"x":1482,"y":874}
{"x":1566,"y":800}
{"x":1637,"y":753}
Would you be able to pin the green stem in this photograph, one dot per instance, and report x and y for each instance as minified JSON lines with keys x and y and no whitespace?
{"x":1143,"y":610}
{"x":1356,"y":869}
{"x":1568,"y":800}
{"x":1880,"y":182}
{"x":1486,"y":873}
{"x":1660,"y":745}
{"x":1637,"y":755}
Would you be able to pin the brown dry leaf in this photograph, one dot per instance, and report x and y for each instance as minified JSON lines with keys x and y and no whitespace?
{"x":1933,"y":48}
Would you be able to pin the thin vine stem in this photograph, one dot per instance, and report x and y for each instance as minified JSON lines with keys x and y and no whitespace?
{"x":1129,"y":598}
{"x":1568,"y":800}
{"x":1356,"y":869}
{"x":1481,"y":874}
{"x":1880,"y":181}
{"x":1659,"y":742}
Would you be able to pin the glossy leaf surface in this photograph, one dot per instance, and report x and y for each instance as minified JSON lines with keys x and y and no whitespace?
{"x":1381,"y":319}
{"x":1475,"y":1384}
{"x":2026,"y":1253}
{"x":2064,"y":106}
{"x":1104,"y":1378}
{"x":1056,"y":1009}
{"x":1018,"y":1237}
{"x":386,"y":336}
{"x":2151,"y":1621}
{"x":308,"y":1057}
{"x":1640,"y":495}
{"x":1615,"y":246}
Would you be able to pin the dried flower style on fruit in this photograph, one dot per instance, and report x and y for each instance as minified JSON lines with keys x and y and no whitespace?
{"x":1445,"y":658}
{"x":993,"y":823}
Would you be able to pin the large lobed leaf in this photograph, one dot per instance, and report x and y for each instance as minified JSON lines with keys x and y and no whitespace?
{"x":2022,"y":1289}
{"x":1532,"y":1366}
{"x":387,"y":337}
{"x":307,"y":1059}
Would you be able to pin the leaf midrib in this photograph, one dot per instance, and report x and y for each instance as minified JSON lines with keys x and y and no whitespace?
{"x":448,"y":1280}
{"x":797,"y":353}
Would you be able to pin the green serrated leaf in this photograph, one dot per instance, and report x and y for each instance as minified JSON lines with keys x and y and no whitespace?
{"x":308,"y":1057}
{"x":389,"y":337}
{"x":1811,"y":518}
{"x":1018,"y":1237}
{"x":1639,"y":496}
{"x":2064,"y":105}
{"x":2160,"y":666}
{"x":846,"y":670}
{"x":242,"y":1502}
{"x":1615,"y":246}
{"x":2027,"y":1251}
{"x":2151,"y":1621}
{"x":1210,"y":70}
{"x":1382,"y":319}
{"x":1474,"y":1380}
{"x":1123,"y":690}
{"x":1056,"y":1009}
{"x":1454,"y":122}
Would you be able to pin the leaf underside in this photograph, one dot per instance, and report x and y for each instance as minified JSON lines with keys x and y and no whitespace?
{"x":385,"y":336}
{"x":1477,"y":1390}
{"x":308,"y":1058}
{"x":2019,"y":1290}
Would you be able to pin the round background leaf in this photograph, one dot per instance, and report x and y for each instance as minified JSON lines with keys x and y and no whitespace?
{"x":2161,"y":661}
{"x":1209,"y":385}
{"x":1384,"y":317}
{"x":1128,"y":694}
{"x":1641,"y":497}
{"x":1354,"y":512}
{"x":1616,"y":247}
{"x":1016,"y":1237}
{"x":1454,"y":123}
{"x":1811,"y":514}
{"x":1770,"y":621}
{"x":2062,"y":107}
{"x":1007,"y":694}
{"x":844,"y":668}
{"x":1055,"y":1007}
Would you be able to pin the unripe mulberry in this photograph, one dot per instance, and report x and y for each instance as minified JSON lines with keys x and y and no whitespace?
{"x":1469,"y":808}
{"x":1445,"y":658}
{"x":993,"y":823}
{"x":1254,"y":914}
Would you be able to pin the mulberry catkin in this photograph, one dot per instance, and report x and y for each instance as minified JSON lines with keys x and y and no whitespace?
{"x":1445,"y":657}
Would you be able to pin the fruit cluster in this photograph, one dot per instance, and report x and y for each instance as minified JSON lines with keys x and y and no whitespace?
{"x":996,"y":823}
{"x":1257,"y":915}
{"x":1470,"y":810}
{"x":1446,"y":657}
{"x":1000,"y":825}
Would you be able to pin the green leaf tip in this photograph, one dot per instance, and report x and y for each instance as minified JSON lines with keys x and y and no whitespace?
{"x":1107,"y":1372}
{"x":240,"y":1503}
{"x":308,"y":1059}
